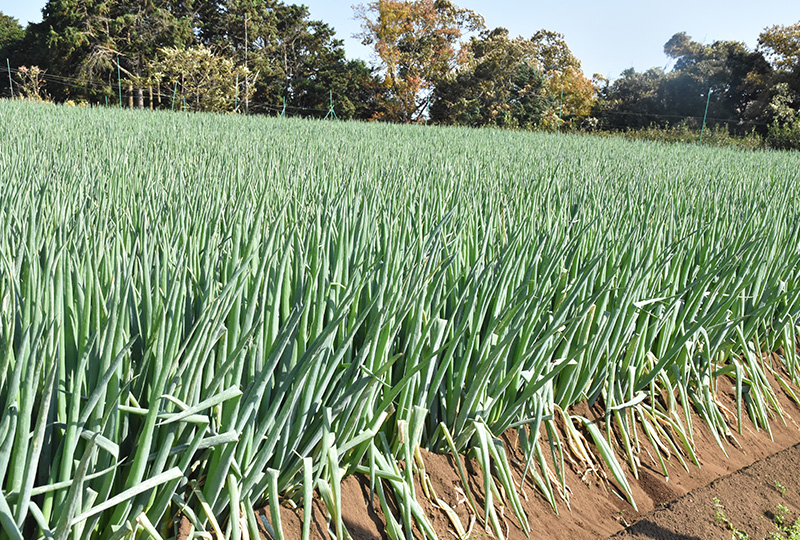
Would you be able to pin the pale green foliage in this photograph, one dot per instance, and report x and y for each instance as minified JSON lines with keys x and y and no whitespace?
{"x":780,"y":487}
{"x":784,"y":133}
{"x":204,"y":81}
{"x":203,"y":313}
{"x":786,"y":531}
{"x":780,"y":106}
{"x":781,"y":45}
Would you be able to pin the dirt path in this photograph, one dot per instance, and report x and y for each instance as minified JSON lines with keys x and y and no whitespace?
{"x":759,"y":473}
{"x":747,"y":500}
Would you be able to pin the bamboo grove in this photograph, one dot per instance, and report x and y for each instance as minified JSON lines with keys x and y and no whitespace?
{"x":201,"y":315}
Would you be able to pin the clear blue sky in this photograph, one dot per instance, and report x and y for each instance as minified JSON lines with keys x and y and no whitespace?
{"x":607,"y":36}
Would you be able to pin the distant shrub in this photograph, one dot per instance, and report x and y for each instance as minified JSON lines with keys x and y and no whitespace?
{"x":785,"y":135}
{"x":681,"y":133}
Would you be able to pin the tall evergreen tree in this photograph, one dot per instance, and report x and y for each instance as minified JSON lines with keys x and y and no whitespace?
{"x":11,"y":34}
{"x":89,"y":40}
{"x":501,"y":86}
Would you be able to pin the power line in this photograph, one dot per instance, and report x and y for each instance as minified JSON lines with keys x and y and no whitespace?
{"x":78,"y":83}
{"x":683,"y":117}
{"x":87,"y":83}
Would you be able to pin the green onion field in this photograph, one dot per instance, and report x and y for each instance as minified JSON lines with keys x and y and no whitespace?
{"x":203,"y":315}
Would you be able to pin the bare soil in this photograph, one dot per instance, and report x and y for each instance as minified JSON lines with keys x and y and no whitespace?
{"x":747,"y":501}
{"x":759,"y":473}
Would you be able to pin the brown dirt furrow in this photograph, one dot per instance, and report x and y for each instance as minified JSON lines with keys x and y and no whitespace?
{"x":747,"y":500}
{"x":681,"y":507}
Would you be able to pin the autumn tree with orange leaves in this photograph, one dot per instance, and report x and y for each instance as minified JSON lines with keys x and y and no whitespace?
{"x":417,"y":43}
{"x":534,"y":83}
{"x":567,"y":86}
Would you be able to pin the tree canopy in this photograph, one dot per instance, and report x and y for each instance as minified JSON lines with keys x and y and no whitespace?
{"x":737,"y":78}
{"x":288,"y":57}
{"x":11,"y":33}
{"x":418,"y":44}
{"x":519,"y":83}
{"x":501,"y":85}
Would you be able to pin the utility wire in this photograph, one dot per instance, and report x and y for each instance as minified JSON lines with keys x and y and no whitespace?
{"x":86,"y":83}
{"x":683,"y":117}
{"x":81,"y":83}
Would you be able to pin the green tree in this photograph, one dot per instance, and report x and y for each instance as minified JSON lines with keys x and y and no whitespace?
{"x":784,"y":132}
{"x":566,"y":86}
{"x":781,"y":46}
{"x":11,"y":34}
{"x":501,"y":86}
{"x":203,"y":80}
{"x":632,"y":101}
{"x":245,"y":30}
{"x":88,"y":40}
{"x":131,"y":34}
{"x":11,"y":37}
{"x":296,"y":58}
{"x":515,"y":83}
{"x":309,"y":65}
{"x":728,"y":68}
{"x":735,"y":75}
{"x":552,"y":52}
{"x":62,"y":40}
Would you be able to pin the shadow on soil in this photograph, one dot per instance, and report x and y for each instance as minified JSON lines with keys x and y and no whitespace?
{"x":648,"y":529}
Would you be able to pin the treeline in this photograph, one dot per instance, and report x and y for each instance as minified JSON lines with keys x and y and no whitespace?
{"x":435,"y":62}
{"x":746,"y":92}
{"x":212,"y":55}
